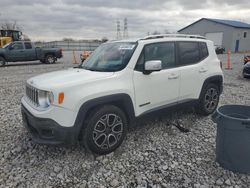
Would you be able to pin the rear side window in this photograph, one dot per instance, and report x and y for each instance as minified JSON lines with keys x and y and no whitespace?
{"x":189,"y":53}
{"x":28,"y":45}
{"x":204,"y":51}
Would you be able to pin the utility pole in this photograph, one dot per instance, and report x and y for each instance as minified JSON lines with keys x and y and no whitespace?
{"x":118,"y":30}
{"x":125,"y":29}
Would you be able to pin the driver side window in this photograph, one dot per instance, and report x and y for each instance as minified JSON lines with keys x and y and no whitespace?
{"x":17,"y":46}
{"x":164,"y":51}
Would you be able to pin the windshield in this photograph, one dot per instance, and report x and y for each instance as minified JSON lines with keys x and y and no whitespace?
{"x":110,"y":57}
{"x":6,"y":45}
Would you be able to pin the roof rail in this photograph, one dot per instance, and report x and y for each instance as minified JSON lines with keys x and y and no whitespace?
{"x":173,"y":35}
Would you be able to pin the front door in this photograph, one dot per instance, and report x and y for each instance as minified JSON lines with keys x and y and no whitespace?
{"x":158,"y":88}
{"x":16,"y":52}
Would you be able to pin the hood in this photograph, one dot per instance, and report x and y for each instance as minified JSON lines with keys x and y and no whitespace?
{"x":64,"y":78}
{"x":2,"y":50}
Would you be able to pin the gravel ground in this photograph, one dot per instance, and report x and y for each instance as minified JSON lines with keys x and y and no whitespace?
{"x":154,"y":154}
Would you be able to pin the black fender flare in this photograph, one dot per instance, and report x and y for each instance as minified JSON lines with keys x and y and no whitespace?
{"x":120,"y":100}
{"x":217,"y":79}
{"x":49,"y":53}
{"x":3,"y":56}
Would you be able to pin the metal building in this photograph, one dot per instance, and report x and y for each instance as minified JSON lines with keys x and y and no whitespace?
{"x":232,"y":35}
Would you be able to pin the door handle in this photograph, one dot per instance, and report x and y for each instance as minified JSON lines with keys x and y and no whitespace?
{"x":202,"y":70}
{"x":173,"y":76}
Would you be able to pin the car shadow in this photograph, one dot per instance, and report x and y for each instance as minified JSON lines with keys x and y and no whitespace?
{"x":168,"y":116}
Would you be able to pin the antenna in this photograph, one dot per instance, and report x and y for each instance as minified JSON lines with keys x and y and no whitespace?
{"x":125,"y":29}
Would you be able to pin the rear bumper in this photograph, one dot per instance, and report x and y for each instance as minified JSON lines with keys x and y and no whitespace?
{"x":59,"y":56}
{"x":47,"y":131}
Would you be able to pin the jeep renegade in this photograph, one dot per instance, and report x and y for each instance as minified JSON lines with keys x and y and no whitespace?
{"x":96,"y":102}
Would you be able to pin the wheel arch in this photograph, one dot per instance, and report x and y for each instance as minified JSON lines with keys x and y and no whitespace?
{"x":217,"y":80}
{"x":1,"y":55}
{"x":121,"y":100}
{"x":49,"y":53}
{"x":4,"y":60}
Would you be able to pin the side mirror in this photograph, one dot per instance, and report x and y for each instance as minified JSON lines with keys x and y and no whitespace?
{"x":151,"y":66}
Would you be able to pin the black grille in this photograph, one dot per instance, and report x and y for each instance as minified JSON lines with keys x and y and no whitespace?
{"x":32,"y":94}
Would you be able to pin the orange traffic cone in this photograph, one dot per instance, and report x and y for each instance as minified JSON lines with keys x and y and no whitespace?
{"x":74,"y":58}
{"x":229,"y":67}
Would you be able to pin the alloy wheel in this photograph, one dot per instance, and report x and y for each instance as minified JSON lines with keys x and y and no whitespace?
{"x":51,"y":60}
{"x":107,"y":131}
{"x":211,"y":99}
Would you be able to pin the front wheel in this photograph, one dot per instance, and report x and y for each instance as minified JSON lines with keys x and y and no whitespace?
{"x":209,"y":100}
{"x":105,"y":130}
{"x":50,"y":59}
{"x":2,"y":62}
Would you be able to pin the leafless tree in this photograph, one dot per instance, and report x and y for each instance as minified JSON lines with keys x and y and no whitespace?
{"x":10,"y":25}
{"x":104,"y":39}
{"x":68,"y":39}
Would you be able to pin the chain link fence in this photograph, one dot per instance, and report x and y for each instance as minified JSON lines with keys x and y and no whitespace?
{"x":71,"y":45}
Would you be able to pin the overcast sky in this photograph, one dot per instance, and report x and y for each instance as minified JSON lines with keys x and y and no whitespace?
{"x":89,"y":19}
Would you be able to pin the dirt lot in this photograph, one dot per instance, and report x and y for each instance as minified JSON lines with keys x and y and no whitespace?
{"x":154,"y":154}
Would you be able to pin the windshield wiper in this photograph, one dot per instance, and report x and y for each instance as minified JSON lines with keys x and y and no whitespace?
{"x":91,"y":69}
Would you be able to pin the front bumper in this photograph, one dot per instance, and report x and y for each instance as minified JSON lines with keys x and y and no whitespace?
{"x":246,"y":73}
{"x":47,"y":131}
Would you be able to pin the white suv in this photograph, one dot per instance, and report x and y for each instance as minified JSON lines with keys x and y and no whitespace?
{"x":96,"y":102}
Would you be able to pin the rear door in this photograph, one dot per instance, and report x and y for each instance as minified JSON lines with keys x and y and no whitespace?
{"x":192,"y":62}
{"x":30,"y":52}
{"x":160,"y":88}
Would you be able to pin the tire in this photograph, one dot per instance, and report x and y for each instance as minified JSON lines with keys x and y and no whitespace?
{"x":243,"y":75}
{"x":2,"y":62}
{"x":50,"y":59}
{"x":105,"y":130}
{"x":208,"y":100}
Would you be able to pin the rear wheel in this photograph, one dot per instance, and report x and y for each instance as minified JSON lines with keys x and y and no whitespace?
{"x":105,"y":130}
{"x":50,"y":59}
{"x":209,"y":100}
{"x":2,"y":62}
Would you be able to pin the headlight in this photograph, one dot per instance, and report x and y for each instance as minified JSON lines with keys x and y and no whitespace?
{"x":45,"y":98}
